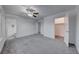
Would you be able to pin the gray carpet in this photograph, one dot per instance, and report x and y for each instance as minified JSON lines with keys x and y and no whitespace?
{"x":36,"y":44}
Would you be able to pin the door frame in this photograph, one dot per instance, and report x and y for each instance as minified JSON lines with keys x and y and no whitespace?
{"x":66,"y":35}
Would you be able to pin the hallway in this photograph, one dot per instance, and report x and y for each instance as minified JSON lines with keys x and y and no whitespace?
{"x":36,"y":44}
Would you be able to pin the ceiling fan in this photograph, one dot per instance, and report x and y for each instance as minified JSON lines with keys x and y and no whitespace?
{"x":32,"y":12}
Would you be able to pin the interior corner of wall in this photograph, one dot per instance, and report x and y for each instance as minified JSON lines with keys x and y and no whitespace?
{"x":77,"y":48}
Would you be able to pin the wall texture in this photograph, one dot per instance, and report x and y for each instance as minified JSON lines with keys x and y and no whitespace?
{"x":77,"y":29}
{"x":3,"y":31}
{"x":59,"y":29}
{"x":42,"y":26}
{"x":59,"y":20}
{"x":72,"y":28}
{"x":0,"y":25}
{"x":47,"y":27}
{"x":26,"y":27}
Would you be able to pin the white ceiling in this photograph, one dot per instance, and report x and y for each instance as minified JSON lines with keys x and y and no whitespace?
{"x":44,"y":10}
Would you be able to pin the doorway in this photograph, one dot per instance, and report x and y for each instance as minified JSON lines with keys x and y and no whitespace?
{"x":62,"y":29}
{"x":59,"y":28}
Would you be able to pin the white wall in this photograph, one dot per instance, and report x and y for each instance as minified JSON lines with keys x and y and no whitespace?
{"x":59,"y":29}
{"x":77,"y":29}
{"x":3,"y":31}
{"x":72,"y":28}
{"x":26,"y":27}
{"x":47,"y":27}
{"x":0,"y":26}
{"x":42,"y":26}
{"x":3,"y":37}
{"x":59,"y":20}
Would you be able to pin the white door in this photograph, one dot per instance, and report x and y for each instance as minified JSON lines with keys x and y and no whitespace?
{"x":66,"y":33}
{"x":11,"y":27}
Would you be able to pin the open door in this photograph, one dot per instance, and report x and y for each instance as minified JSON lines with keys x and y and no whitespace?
{"x":66,"y":33}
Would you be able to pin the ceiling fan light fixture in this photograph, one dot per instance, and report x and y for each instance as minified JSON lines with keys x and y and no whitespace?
{"x":32,"y":12}
{"x":30,"y":15}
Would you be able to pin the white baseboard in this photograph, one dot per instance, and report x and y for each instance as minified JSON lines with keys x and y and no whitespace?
{"x":25,"y":35}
